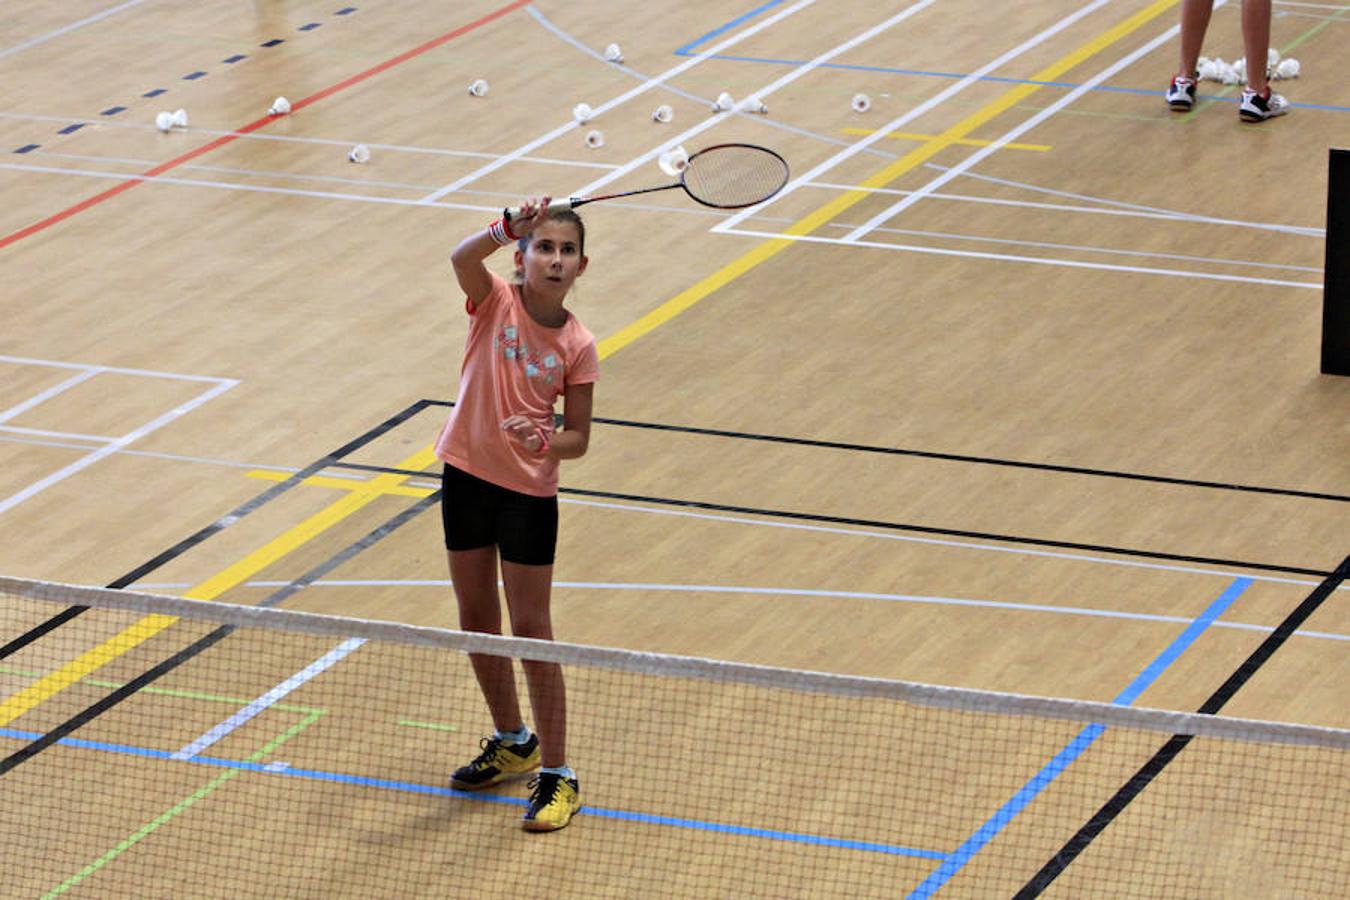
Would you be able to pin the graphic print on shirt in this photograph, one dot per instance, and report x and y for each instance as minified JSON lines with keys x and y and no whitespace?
{"x":544,"y":371}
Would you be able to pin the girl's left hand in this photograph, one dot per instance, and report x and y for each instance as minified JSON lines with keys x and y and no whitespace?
{"x":524,"y":432}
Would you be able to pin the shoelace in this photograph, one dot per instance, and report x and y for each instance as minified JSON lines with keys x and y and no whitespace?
{"x":490,"y":746}
{"x":543,"y":787}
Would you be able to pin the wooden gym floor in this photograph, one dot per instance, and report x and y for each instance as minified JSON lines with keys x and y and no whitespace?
{"x":1014,"y":388}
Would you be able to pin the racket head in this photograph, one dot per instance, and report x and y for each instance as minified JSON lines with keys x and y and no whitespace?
{"x":734,"y":175}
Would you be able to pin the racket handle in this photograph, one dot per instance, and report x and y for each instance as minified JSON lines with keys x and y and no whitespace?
{"x":563,"y":203}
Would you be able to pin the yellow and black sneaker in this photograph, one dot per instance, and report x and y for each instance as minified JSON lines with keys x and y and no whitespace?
{"x":553,"y":803}
{"x":498,"y":762}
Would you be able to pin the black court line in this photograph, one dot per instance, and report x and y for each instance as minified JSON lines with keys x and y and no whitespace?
{"x":898,"y":526}
{"x":1168,"y":752}
{"x":87,"y":715}
{"x":957,"y":457}
{"x":218,"y":525}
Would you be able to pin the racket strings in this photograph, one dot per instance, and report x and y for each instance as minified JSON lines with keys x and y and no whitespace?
{"x":734,"y":175}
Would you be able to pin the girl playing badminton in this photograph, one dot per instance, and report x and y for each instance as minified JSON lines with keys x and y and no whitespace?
{"x":500,"y":483}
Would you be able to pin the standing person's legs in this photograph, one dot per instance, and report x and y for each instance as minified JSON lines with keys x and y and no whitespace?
{"x":528,"y":591}
{"x":1256,"y":40}
{"x":1194,"y":23}
{"x":474,"y":573}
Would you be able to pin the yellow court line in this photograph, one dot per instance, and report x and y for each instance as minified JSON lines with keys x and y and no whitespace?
{"x":343,"y":484}
{"x":686,"y":299}
{"x":965,"y":142}
{"x":772,"y":247}
{"x":149,"y":626}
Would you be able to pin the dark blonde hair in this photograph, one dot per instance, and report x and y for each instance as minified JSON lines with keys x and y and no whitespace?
{"x":555,"y":214}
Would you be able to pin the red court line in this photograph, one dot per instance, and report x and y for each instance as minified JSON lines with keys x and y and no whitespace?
{"x":255,"y":125}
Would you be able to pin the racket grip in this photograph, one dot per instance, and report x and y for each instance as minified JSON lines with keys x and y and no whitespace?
{"x":564,"y":203}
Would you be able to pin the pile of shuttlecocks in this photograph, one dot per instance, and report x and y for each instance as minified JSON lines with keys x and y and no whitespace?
{"x":1236,"y":72}
{"x":168,"y":121}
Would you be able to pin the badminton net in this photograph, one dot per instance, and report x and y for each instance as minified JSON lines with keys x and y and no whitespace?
{"x":301,"y":755}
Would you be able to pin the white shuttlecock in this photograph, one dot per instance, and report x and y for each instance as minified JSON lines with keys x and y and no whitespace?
{"x":663,"y":114}
{"x":725,"y":102}
{"x":861,"y":103}
{"x":280,"y":107}
{"x":754,"y":105}
{"x":479,"y":88}
{"x":582,"y":112}
{"x":595,"y":139}
{"x":673,"y":161}
{"x":359,"y":154}
{"x":1207,"y":70}
{"x":1240,"y":70}
{"x":613,"y":54}
{"x":164,"y":121}
{"x":1287,"y":68}
{"x":1228,"y":73}
{"x":1272,"y":57}
{"x":180,"y":118}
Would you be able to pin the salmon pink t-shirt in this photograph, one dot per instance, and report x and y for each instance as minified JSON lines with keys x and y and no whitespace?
{"x":513,"y":365}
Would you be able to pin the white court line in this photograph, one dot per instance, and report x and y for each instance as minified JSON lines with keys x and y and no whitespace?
{"x":115,"y":370}
{"x":345,"y":143}
{"x":1112,"y":207}
{"x":247,"y":188}
{"x":758,"y":95}
{"x":44,"y":396}
{"x":1083,"y":248}
{"x":920,"y":599}
{"x":66,"y":29}
{"x":929,"y":104}
{"x":1015,"y":132}
{"x":940,"y":542}
{"x":332,"y":657}
{"x":60,"y":435}
{"x":1034,"y":260}
{"x":396,"y":201}
{"x":221,"y":386}
{"x":616,"y":101}
{"x":768,"y":121}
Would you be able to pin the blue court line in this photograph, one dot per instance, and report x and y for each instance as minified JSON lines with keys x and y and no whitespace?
{"x":723,"y":29}
{"x":1009,"y":810}
{"x":1068,"y":85}
{"x":438,"y":791}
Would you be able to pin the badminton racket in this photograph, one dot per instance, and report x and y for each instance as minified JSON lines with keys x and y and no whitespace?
{"x":723,"y":176}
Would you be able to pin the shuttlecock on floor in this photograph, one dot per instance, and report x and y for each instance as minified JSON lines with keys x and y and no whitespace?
{"x":164,"y":121}
{"x":613,"y":54}
{"x":663,"y":114}
{"x":1240,"y":70}
{"x":479,"y":88}
{"x":1206,"y":70}
{"x":754,"y":105}
{"x":582,"y":112}
{"x":359,"y":154}
{"x":724,"y":103}
{"x":1287,"y":68}
{"x":673,"y":161}
{"x":180,"y":119}
{"x":280,"y":107}
{"x":595,"y":139}
{"x":861,"y":103}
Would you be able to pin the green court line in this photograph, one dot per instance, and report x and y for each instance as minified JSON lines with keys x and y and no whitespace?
{"x":434,"y":725}
{"x":186,"y":803}
{"x":167,"y":692}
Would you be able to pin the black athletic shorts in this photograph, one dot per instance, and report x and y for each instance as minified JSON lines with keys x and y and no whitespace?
{"x":477,"y":513}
